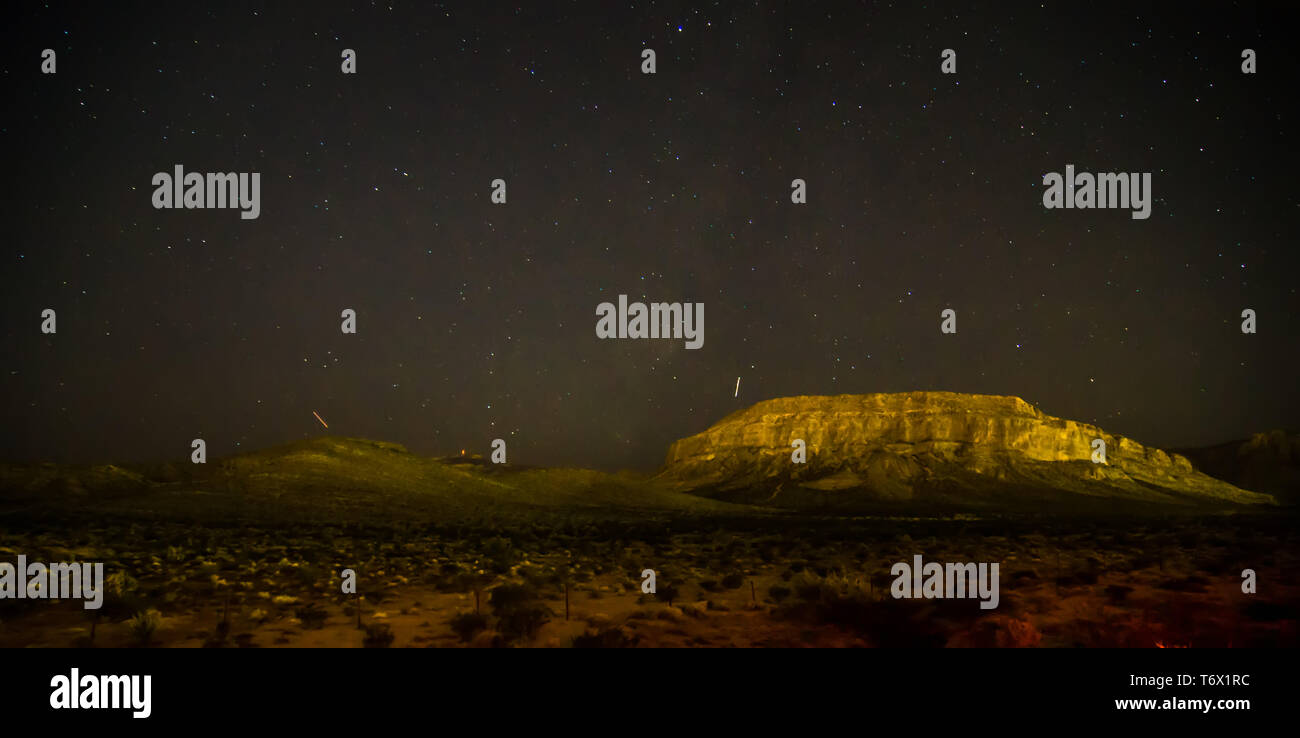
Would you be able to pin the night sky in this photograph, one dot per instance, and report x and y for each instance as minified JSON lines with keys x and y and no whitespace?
{"x":477,"y":321}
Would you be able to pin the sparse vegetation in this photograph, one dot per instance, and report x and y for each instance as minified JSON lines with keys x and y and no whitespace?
{"x":466,"y":625}
{"x":144,"y":625}
{"x":606,"y":638}
{"x":312,"y":616}
{"x":518,"y":611}
{"x":256,"y":569}
{"x":378,"y":635}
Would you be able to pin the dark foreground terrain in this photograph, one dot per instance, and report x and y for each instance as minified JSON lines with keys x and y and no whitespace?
{"x":452,"y":553}
{"x":1173,"y":582}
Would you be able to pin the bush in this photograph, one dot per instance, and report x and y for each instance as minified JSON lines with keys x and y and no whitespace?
{"x":312,"y":616}
{"x":519,"y":614}
{"x":510,"y":596}
{"x":667,"y":594}
{"x":488,"y":639}
{"x":144,"y":625}
{"x":467,"y":625}
{"x":219,"y":637}
{"x":733,"y":581}
{"x":997,"y":631}
{"x":610,"y":638}
{"x":778,"y":593}
{"x":378,"y":635}
{"x":523,"y":622}
{"x":809,"y":590}
{"x":309,"y":575}
{"x":500,"y":554}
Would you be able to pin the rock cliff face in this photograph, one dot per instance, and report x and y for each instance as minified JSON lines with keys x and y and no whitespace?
{"x":938,"y":447}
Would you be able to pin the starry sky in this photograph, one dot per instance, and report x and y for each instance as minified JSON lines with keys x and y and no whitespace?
{"x":477,"y":321}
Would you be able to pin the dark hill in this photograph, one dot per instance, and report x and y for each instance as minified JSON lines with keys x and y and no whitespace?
{"x":1265,"y":462}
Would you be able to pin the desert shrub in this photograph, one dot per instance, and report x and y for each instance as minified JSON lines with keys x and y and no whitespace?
{"x":882,"y":582}
{"x":312,"y":616}
{"x":1018,"y":634}
{"x":608,"y":638}
{"x":538,"y":578}
{"x":120,"y":584}
{"x":733,"y":581}
{"x":308,"y":575}
{"x":523,"y":622}
{"x":808,"y":588}
{"x":509,"y":596}
{"x":378,"y":635}
{"x":144,"y":624}
{"x":220,"y":637}
{"x":849,"y":610}
{"x":500,"y":554}
{"x":999,"y":631}
{"x":778,"y":593}
{"x":898,"y":623}
{"x":519,"y":614}
{"x":667,"y":593}
{"x":488,"y":639}
{"x":466,"y":625}
{"x":693,"y":609}
{"x":459,"y":582}
{"x":710,"y":585}
{"x":843,"y":603}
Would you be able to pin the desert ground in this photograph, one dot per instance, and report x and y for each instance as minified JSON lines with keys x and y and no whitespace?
{"x":765,"y":581}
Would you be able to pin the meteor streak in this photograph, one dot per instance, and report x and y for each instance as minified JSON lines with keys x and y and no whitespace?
{"x":322,"y":420}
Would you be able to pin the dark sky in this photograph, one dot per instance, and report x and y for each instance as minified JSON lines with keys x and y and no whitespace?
{"x":477,"y":321}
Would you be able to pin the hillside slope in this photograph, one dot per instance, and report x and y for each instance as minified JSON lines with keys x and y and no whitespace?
{"x":337,"y":480}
